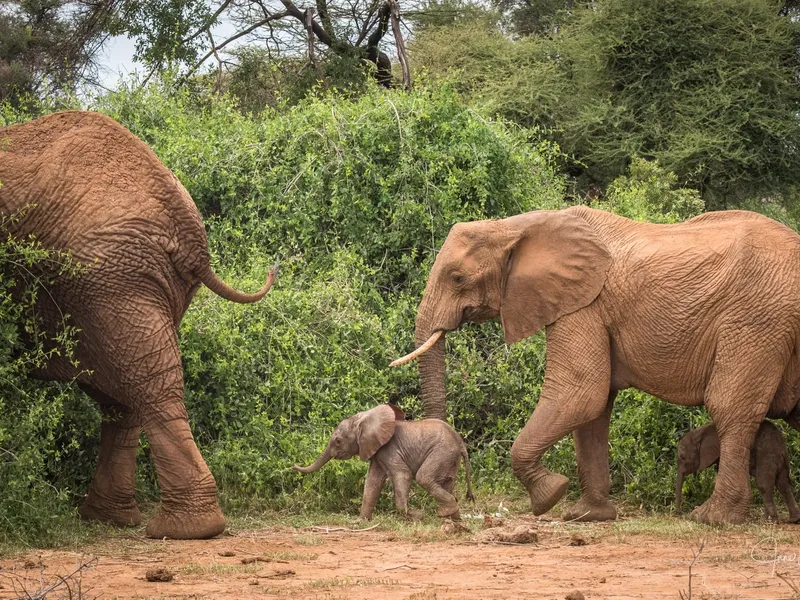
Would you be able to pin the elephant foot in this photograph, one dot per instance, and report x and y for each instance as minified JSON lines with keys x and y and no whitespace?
{"x":713,"y":512}
{"x":585,"y":509}
{"x":793,"y":518}
{"x":186,"y":525}
{"x":123,"y":514}
{"x":546,"y":491}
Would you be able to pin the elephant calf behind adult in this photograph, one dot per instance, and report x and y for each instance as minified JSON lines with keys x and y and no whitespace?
{"x":81,"y":182}
{"x":702,"y":312}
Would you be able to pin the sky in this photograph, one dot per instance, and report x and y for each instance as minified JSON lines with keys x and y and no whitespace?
{"x":117,"y":61}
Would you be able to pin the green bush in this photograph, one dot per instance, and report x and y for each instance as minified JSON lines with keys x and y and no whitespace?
{"x":43,"y":427}
{"x":354,"y":195}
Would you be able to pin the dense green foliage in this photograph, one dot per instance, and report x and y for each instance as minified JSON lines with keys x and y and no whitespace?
{"x":707,"y":88}
{"x":354,"y":194}
{"x":46,"y":430}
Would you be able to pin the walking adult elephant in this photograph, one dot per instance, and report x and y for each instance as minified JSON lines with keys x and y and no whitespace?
{"x":81,"y":182}
{"x":702,"y":312}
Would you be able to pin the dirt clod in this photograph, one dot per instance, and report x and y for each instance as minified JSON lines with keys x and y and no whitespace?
{"x":577,"y":540}
{"x":602,"y":580}
{"x":227,"y":553}
{"x":32,"y":564}
{"x":280,"y":574}
{"x":160,"y":574}
{"x":521,"y":534}
{"x":489,"y":521}
{"x":575,"y":595}
{"x":451,"y":527}
{"x":254,"y":582}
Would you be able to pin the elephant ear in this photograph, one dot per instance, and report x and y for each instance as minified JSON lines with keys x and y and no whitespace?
{"x":375,"y":428}
{"x":708,"y":448}
{"x":556,"y":264}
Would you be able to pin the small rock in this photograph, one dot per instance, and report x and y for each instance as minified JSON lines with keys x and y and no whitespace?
{"x":32,"y":564}
{"x":227,"y":553}
{"x":160,"y":574}
{"x":575,"y":595}
{"x":602,"y":580}
{"x":254,"y":582}
{"x":577,"y":540}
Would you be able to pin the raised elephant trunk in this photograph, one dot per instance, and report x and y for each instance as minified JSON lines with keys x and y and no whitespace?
{"x":317,"y":464}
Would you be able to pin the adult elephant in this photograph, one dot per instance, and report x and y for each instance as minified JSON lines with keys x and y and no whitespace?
{"x":79,"y":181}
{"x":702,"y":312}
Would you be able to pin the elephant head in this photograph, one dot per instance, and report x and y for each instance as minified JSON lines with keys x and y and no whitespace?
{"x":529,"y":270}
{"x":697,"y":450}
{"x":362,"y":434}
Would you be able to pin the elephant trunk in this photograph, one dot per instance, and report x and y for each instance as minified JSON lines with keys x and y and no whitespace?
{"x":679,"y":490}
{"x":431,"y":367}
{"x":317,"y":464}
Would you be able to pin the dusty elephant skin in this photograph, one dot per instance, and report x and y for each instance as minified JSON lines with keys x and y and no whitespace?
{"x":769,"y":464}
{"x":702,"y":312}
{"x":401,"y":451}
{"x":86,"y":184}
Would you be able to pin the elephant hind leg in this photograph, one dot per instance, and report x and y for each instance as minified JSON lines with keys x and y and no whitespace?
{"x":110,"y":496}
{"x":439,"y":481}
{"x":139,"y":362}
{"x":738,"y":397}
{"x":766,"y":485}
{"x":784,"y":484}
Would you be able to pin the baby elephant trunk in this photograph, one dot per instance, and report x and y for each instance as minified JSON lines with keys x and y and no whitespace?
{"x":317,"y":464}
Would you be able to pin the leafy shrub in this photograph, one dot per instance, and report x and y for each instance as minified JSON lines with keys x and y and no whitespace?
{"x":43,"y":428}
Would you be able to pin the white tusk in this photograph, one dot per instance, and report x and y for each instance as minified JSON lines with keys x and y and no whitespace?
{"x":419,"y":351}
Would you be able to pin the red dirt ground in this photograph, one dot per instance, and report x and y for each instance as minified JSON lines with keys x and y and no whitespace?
{"x":600,"y":561}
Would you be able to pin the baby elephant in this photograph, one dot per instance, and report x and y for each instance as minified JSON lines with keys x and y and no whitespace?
{"x":428,"y":451}
{"x":769,"y":464}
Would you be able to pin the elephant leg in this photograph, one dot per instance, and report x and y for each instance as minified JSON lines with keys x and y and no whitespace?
{"x":737,"y":398}
{"x":784,"y":484}
{"x":376,"y":477}
{"x":139,"y":363}
{"x":591,"y":448}
{"x":432,"y":478}
{"x":766,"y":485}
{"x":110,"y":496}
{"x":401,"y":479}
{"x":575,"y":392}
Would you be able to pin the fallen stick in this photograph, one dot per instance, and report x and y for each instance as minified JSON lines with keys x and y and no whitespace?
{"x":335,"y":529}
{"x":398,"y":567}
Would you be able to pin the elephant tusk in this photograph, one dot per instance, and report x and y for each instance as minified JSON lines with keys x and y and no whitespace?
{"x":419,"y":351}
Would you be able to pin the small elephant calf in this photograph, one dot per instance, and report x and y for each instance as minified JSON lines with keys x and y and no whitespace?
{"x":428,"y":451}
{"x":769,"y":464}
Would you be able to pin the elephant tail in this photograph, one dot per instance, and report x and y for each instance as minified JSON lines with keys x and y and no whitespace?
{"x":222,"y":289}
{"x":467,"y":472}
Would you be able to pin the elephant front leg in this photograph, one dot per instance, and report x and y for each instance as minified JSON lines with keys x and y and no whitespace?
{"x":575,"y":392}
{"x":110,"y":496}
{"x":591,"y":448}
{"x":376,"y":477}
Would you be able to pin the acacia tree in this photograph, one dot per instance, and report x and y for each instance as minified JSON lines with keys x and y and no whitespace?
{"x":182,"y":31}
{"x":50,"y":45}
{"x":709,"y":88}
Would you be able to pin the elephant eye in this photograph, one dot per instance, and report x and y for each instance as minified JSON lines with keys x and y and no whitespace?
{"x":458,"y":278}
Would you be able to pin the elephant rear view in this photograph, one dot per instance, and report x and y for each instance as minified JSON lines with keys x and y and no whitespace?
{"x":80,"y":182}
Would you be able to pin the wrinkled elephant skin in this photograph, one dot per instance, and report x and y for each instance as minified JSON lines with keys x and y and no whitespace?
{"x":80,"y":182}
{"x":701,"y":312}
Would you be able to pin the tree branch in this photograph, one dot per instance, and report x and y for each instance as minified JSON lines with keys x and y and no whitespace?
{"x":321,"y":34}
{"x":394,"y":13}
{"x":209,"y":22}
{"x":233,"y":38}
